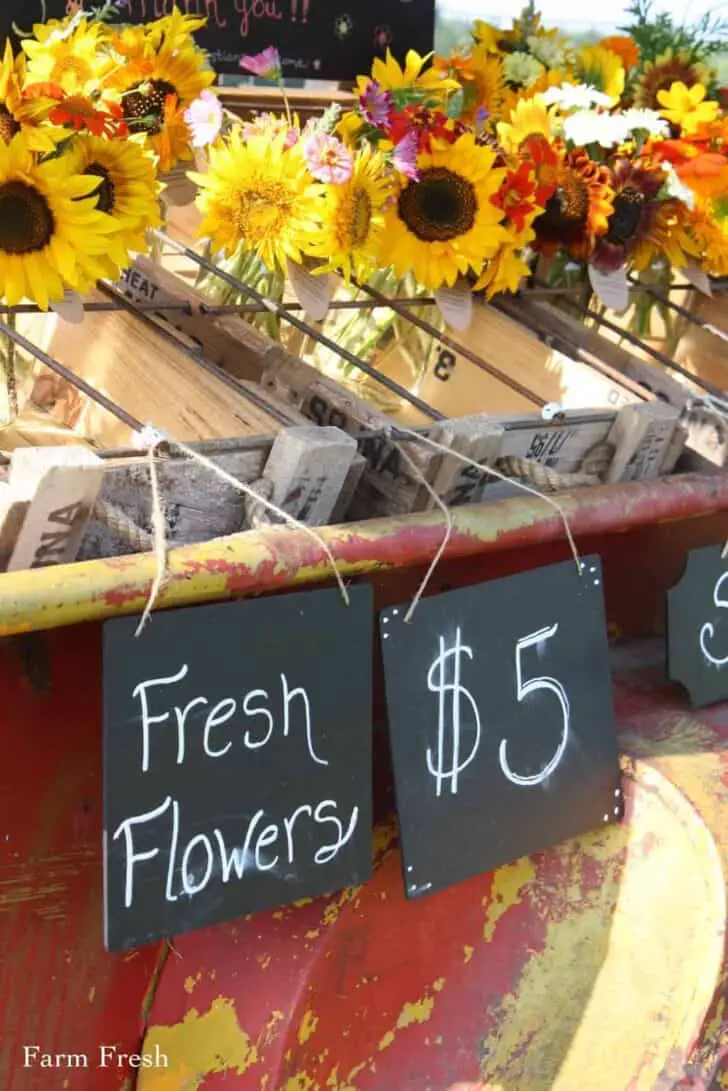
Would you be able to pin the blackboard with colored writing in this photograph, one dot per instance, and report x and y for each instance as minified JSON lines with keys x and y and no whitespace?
{"x":237,"y":761}
{"x":697,"y":627}
{"x":501,"y":722}
{"x":317,"y":39}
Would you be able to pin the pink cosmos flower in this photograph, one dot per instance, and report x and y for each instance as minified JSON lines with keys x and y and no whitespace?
{"x":376,"y":105}
{"x":265,"y":65}
{"x":405,"y":156}
{"x":204,"y":119}
{"x":327,"y":159}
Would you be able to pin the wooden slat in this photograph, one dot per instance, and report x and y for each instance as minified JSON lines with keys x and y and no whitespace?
{"x":150,"y":378}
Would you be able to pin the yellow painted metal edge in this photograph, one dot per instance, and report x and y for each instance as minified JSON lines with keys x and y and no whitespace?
{"x":268,"y":560}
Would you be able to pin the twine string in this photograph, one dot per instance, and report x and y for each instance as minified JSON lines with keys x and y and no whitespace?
{"x":153,"y":440}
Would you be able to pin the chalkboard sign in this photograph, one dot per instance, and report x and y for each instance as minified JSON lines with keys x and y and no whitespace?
{"x":697,"y":627}
{"x":317,"y":39}
{"x":237,"y":761}
{"x":501,"y":722}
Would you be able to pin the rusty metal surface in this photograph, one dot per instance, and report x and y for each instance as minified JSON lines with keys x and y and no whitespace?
{"x":58,"y":988}
{"x":608,"y":951}
{"x":527,"y":530}
{"x":599,"y":964}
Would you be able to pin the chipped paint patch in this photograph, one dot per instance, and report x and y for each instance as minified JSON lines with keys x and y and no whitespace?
{"x":332,"y":912}
{"x":468,"y":953}
{"x":627,"y":974}
{"x":386,"y":1041}
{"x":300,"y":1082}
{"x":198,"y":1047}
{"x":307,"y":1027}
{"x":191,"y":982}
{"x":419,"y":1012}
{"x":92,"y":994}
{"x":506,"y":891}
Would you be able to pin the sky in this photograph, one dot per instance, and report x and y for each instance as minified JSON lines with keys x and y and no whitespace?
{"x":577,"y":13}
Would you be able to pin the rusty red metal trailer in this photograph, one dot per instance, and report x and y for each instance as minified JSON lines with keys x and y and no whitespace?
{"x":599,"y":965}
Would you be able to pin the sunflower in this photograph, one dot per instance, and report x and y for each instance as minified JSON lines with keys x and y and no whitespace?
{"x":711,"y":239}
{"x":600,"y":68}
{"x":507,"y":270}
{"x":390,"y":75}
{"x":659,"y":75}
{"x":15,"y":114}
{"x":577,"y":213}
{"x":482,"y":78}
{"x":155,"y":90}
{"x":530,"y":117}
{"x":636,"y":188}
{"x":260,"y":194}
{"x":445,"y":223}
{"x":353,"y":218}
{"x":68,"y":55}
{"x":669,"y":238}
{"x":127,"y":191}
{"x":51,"y":235}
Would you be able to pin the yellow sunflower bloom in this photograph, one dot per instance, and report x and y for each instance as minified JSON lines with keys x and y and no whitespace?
{"x":127,"y":191}
{"x":390,"y":75}
{"x":669,"y":68}
{"x":259,"y":194}
{"x":508,"y":269}
{"x":600,"y":68}
{"x":51,"y":234}
{"x":669,"y":238}
{"x":353,"y":218}
{"x":530,"y":117}
{"x":71,"y":56}
{"x":445,"y":224}
{"x":711,"y":238}
{"x":687,"y":107}
{"x":19,"y":116}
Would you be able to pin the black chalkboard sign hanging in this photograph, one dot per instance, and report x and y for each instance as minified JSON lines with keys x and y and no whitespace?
{"x":237,"y":761}
{"x":501,"y":722}
{"x":317,"y":39}
{"x":697,"y":627}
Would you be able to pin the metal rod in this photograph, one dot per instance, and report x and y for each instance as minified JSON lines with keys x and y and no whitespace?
{"x":632,"y":338}
{"x":455,"y":346}
{"x":69,"y":376}
{"x":693,"y":319}
{"x":304,"y":327}
{"x":203,"y":308}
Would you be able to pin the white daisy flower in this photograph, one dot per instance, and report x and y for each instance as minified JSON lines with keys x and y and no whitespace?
{"x":648,"y":121}
{"x":579,"y":96}
{"x":590,"y":127}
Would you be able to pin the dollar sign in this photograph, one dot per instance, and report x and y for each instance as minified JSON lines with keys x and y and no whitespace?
{"x":437,"y":682}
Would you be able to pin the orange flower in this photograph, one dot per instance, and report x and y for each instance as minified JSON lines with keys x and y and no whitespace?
{"x":705,"y":172}
{"x":626,"y":49}
{"x":79,"y":113}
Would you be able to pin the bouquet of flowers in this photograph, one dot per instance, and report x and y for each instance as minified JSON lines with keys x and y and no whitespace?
{"x":91,"y":114}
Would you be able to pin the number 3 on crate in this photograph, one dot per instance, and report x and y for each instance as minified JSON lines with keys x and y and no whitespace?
{"x":501,"y":722}
{"x":697,"y":627}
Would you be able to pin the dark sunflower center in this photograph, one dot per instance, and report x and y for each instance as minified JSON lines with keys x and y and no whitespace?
{"x":144,"y":105}
{"x":568,"y":207}
{"x":26,"y":220}
{"x":8,"y":125}
{"x":625,"y":220}
{"x":105,"y":191}
{"x":440,"y":207}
